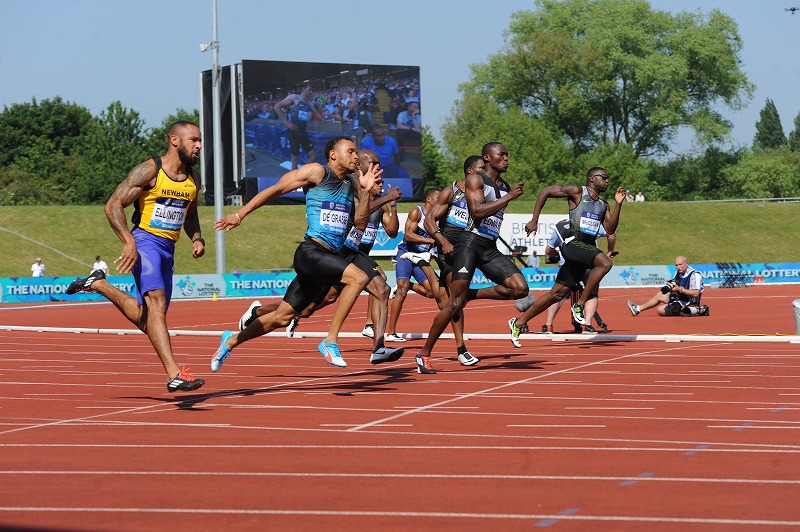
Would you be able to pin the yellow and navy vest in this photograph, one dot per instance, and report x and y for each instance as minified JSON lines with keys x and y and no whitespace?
{"x":161,"y":210}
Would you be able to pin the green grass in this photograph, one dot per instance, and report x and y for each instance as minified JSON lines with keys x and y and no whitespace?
{"x":649,"y":233}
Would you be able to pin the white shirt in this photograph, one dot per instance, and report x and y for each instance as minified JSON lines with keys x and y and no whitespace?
{"x":37,"y":268}
{"x":100,"y":265}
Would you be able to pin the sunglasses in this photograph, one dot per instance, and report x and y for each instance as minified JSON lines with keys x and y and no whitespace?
{"x":603,"y":176}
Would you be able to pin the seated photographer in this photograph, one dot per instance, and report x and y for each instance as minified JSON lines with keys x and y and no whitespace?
{"x":679,"y":297}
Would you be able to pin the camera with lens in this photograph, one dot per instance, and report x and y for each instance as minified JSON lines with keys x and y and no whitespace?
{"x":667,"y":288}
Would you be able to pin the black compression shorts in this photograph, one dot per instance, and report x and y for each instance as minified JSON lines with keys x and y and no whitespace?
{"x":472,"y":252}
{"x":578,"y":258}
{"x":317,"y":268}
{"x":362,"y":261}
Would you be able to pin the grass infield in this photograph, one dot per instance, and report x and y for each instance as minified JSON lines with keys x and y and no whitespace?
{"x":69,"y":237}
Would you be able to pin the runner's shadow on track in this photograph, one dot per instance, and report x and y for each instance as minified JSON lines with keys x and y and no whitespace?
{"x":189,"y":401}
{"x":509,"y":361}
{"x":386,"y":380}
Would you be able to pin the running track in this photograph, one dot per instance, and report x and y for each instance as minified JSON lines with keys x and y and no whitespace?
{"x":560,"y":435}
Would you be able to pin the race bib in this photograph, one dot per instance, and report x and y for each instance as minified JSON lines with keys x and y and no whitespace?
{"x":168,"y":214}
{"x":590,"y":223}
{"x":334,"y":217}
{"x":490,"y":227}
{"x":369,"y":234}
{"x":459,"y":214}
{"x":354,"y":238}
{"x":303,"y":115}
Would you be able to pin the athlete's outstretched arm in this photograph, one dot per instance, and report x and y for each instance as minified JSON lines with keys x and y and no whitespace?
{"x":307,"y":175}
{"x":553,"y":191}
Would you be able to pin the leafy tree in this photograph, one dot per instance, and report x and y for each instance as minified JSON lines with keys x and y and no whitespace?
{"x":22,"y":125}
{"x":769,"y":131}
{"x":616,"y":71}
{"x":772,"y":174}
{"x":794,"y":135}
{"x":537,"y":154}
{"x":692,"y":177}
{"x":20,"y":187}
{"x":113,"y":145}
{"x":432,"y":160}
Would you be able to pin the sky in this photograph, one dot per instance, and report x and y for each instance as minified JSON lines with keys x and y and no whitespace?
{"x":146,"y":54}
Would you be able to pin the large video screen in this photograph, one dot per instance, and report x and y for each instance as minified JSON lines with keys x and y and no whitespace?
{"x":292,"y":109}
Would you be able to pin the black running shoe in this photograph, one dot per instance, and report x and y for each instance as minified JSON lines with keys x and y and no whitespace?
{"x":386,"y":354}
{"x":84,"y":284}
{"x":588,"y":329}
{"x":184,"y":382}
{"x":424,"y":365}
{"x":603,"y":327}
{"x":249,"y":315}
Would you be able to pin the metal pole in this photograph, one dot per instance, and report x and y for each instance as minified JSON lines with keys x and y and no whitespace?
{"x":219,"y":192}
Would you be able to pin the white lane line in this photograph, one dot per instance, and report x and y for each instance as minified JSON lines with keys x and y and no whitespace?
{"x":685,"y":446}
{"x":427,"y":515}
{"x":507,"y":385}
{"x":289,"y":474}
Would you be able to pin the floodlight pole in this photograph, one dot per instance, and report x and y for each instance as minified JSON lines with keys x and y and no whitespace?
{"x":219,"y":192}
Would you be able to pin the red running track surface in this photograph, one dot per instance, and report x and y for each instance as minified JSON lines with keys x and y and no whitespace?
{"x":568,"y":435}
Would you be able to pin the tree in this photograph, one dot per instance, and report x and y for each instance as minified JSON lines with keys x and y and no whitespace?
{"x":60,"y":123}
{"x":617,"y":71}
{"x":794,"y":136}
{"x":432,"y":160}
{"x":771,"y":174}
{"x":769,"y":131}
{"x":113,"y":145}
{"x":693,"y":177}
{"x":537,"y":153}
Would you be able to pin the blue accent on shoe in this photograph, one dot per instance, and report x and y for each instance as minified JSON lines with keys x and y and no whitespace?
{"x":332,"y":354}
{"x":222,"y":352}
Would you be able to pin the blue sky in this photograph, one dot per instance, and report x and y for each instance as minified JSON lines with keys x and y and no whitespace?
{"x":146,"y":53}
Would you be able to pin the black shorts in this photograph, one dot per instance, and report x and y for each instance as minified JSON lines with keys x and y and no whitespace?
{"x":444,"y":263}
{"x":578,"y":258}
{"x":318,"y":269}
{"x":362,"y":261}
{"x":472,"y":252}
{"x":298,"y":139}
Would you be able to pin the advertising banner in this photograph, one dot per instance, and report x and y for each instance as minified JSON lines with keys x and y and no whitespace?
{"x":512,"y":232}
{"x":274,"y":284}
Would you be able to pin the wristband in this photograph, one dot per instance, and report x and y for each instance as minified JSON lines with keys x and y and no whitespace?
{"x":200,"y":240}
{"x":435,"y":233}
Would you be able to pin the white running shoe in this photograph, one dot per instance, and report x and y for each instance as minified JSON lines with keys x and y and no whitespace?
{"x":467,"y":359}
{"x":416,"y":258}
{"x":249,"y":315}
{"x":394,"y":337}
{"x":393,"y":292}
{"x":368,"y":331}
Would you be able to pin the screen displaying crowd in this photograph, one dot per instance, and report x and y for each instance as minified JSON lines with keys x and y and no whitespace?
{"x":292,"y":109}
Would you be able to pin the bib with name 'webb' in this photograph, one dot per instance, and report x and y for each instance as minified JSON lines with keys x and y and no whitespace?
{"x":161,"y":210}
